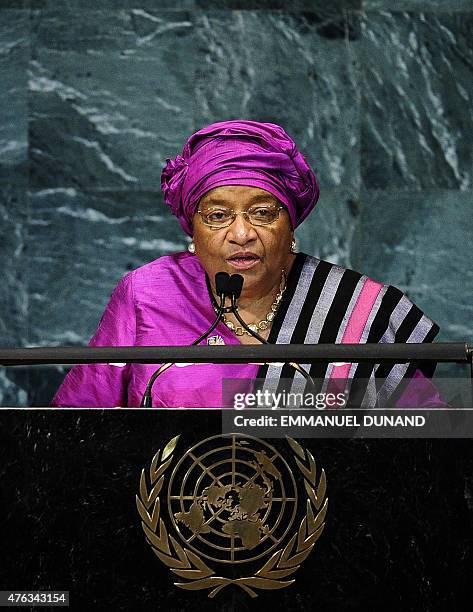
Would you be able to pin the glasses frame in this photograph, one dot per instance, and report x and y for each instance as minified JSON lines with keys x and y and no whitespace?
{"x":245,"y":214}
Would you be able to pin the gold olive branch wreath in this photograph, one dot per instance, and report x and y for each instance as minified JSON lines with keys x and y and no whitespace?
{"x":186,"y":564}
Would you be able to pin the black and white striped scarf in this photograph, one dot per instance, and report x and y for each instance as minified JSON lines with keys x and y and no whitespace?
{"x":316,"y":308}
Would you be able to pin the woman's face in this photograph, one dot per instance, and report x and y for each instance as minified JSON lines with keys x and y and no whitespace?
{"x":258,"y":252}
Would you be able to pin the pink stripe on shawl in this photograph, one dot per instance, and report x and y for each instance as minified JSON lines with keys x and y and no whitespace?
{"x":357,"y":322}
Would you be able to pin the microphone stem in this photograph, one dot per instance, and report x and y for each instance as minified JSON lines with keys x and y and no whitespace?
{"x":146,"y":401}
{"x":214,"y":324}
{"x":296,"y":366}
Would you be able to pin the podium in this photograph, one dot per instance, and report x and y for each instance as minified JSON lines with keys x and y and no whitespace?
{"x":142,"y":509}
{"x":397,"y":529}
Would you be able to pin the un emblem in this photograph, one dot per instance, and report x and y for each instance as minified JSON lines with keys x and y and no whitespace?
{"x":231,"y":501}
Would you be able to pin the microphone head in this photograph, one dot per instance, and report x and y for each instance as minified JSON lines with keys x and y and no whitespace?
{"x":236,"y":285}
{"x":222,"y":282}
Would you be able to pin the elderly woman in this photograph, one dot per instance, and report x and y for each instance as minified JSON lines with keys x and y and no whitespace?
{"x":239,"y":190}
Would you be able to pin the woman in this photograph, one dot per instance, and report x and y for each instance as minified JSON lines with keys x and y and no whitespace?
{"x":239,"y":189}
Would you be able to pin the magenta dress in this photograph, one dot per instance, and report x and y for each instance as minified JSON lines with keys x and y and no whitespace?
{"x":166,"y":302}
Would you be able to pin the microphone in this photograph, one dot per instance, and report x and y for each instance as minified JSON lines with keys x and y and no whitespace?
{"x":222,"y":282}
{"x":223,"y":289}
{"x":236,"y":285}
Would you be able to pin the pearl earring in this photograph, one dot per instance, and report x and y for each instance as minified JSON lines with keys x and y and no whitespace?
{"x":293,"y":248}
{"x":191,"y":248}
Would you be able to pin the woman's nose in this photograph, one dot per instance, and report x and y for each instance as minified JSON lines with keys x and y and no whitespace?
{"x":241,"y":229}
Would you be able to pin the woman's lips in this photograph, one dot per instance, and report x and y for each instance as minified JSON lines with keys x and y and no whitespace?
{"x":243,"y":262}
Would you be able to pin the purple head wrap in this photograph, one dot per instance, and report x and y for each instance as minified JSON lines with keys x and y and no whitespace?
{"x":239,"y":153}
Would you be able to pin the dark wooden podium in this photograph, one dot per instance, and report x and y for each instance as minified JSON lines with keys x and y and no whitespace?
{"x":398,"y":531}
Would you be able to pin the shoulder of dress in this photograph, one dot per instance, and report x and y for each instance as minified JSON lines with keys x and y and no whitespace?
{"x":313,"y":262}
{"x":166,"y":269}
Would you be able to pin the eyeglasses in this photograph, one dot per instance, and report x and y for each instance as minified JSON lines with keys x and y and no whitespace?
{"x":219,"y":217}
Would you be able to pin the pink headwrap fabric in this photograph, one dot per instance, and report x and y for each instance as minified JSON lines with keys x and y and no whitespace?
{"x":239,"y":153}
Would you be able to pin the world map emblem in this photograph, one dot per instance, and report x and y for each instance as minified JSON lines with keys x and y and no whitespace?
{"x":231,"y":501}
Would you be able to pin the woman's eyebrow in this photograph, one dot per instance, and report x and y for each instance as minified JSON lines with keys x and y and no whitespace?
{"x":214,"y":201}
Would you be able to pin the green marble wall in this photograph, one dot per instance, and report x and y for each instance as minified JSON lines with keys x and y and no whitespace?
{"x":95,"y":94}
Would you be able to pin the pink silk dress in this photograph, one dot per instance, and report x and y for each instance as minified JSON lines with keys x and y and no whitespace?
{"x":164,"y":302}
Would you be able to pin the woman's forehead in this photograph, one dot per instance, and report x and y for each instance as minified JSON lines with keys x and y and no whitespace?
{"x":235,"y":194}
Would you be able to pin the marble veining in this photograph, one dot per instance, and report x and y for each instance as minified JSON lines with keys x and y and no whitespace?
{"x":417,"y":106}
{"x":95,"y":96}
